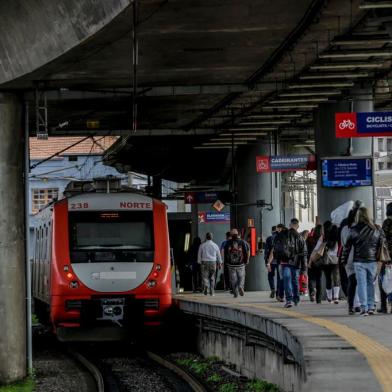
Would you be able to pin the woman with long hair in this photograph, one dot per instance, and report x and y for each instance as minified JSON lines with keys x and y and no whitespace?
{"x":330,"y":264}
{"x":366,"y":240}
{"x":314,"y":271}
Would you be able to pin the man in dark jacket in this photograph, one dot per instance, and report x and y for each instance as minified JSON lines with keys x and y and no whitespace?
{"x":236,"y":256}
{"x":273,"y":266}
{"x":290,"y":251}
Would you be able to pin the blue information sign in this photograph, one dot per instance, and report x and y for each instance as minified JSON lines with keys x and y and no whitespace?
{"x":218,"y":217}
{"x":346,"y":172}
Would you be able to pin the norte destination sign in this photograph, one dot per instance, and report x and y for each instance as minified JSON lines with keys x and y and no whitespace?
{"x":365,"y":124}
{"x":285,"y":163}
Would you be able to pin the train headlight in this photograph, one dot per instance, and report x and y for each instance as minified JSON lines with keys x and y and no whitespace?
{"x":66,"y":268}
{"x":151,"y":283}
{"x":158,"y":267}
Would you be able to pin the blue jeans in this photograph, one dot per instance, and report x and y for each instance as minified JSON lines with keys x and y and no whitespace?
{"x":291,"y":282}
{"x":271,"y":280}
{"x":365,"y":274}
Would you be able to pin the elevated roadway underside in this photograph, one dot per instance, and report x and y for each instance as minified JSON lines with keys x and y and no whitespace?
{"x":212,"y":76}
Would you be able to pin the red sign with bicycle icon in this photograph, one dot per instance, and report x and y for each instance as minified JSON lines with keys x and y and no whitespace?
{"x":370,"y":124}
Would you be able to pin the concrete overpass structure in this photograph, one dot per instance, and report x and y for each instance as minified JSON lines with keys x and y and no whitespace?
{"x":218,"y":82}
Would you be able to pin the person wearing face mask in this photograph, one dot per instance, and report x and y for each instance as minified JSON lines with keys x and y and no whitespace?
{"x":236,"y":256}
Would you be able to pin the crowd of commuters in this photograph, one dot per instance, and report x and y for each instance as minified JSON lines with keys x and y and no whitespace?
{"x":353,"y":257}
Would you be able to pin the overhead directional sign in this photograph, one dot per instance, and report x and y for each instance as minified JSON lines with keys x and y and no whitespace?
{"x":207,"y":197}
{"x":285,"y":163}
{"x":364,"y":124}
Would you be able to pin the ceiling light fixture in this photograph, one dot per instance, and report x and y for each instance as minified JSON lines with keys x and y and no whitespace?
{"x":380,"y":4}
{"x":212,"y":147}
{"x":356,"y":54}
{"x":245,"y":134}
{"x":235,"y":138}
{"x":278,"y":122}
{"x":335,"y":76}
{"x":379,"y":41}
{"x":275,"y":115}
{"x":322,"y":85}
{"x":310,"y":93}
{"x":253,"y":129}
{"x":346,"y":66}
{"x":301,"y":100}
{"x":291,"y":106}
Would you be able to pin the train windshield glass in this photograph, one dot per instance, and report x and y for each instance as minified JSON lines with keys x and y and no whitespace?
{"x":110,"y":235}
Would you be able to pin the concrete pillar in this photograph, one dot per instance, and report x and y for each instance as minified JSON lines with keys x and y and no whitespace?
{"x":252,"y":186}
{"x":157,"y":187}
{"x":327,"y":145}
{"x":12,"y":246}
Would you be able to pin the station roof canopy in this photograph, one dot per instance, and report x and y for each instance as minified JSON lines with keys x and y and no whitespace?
{"x":212,"y":75}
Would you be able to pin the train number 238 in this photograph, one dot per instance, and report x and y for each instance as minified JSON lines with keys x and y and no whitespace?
{"x":78,"y":206}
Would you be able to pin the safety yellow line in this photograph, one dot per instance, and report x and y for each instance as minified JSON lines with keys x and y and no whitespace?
{"x":378,"y":356}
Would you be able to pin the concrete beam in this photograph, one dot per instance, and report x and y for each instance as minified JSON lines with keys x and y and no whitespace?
{"x":35,"y":32}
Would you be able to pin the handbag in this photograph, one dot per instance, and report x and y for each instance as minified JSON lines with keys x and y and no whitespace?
{"x":383,"y":255}
{"x":317,"y":257}
{"x":387,"y":280}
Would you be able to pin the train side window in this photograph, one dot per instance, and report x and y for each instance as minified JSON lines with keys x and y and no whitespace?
{"x":49,"y":242}
{"x":46,"y":243}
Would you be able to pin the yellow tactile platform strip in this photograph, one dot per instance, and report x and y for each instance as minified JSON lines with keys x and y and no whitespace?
{"x":378,"y":356}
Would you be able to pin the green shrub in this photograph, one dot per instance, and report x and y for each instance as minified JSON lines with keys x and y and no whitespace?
{"x":214,"y":378}
{"x":261,"y":386}
{"x":229,"y":387}
{"x":22,"y":386}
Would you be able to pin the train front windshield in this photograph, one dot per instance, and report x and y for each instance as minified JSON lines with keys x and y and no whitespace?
{"x":111,"y":236}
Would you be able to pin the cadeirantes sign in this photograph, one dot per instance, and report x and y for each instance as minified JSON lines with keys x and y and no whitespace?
{"x":363,"y":124}
{"x":285,"y":163}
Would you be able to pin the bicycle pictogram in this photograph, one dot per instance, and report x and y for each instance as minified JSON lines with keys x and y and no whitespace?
{"x":346,"y":124}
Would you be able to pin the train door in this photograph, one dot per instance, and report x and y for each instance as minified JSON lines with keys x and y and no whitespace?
{"x":180,"y":230}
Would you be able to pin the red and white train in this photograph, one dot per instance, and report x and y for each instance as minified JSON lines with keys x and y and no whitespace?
{"x":102,"y":259}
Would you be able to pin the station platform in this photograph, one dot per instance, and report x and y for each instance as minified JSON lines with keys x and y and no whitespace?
{"x":335,"y":351}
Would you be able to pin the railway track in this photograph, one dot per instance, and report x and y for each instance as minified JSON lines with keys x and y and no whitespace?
{"x":146,"y":371}
{"x":105,"y":368}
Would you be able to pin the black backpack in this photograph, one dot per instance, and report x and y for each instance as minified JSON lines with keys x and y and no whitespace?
{"x":235,"y":253}
{"x":283,"y":246}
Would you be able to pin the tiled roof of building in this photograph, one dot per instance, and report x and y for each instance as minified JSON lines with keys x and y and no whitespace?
{"x":40,"y":149}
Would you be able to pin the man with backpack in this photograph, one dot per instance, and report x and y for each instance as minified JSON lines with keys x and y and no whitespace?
{"x":236,"y":256}
{"x":290,"y":251}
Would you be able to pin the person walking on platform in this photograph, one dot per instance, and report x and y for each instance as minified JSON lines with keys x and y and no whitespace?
{"x":209,"y":257}
{"x":387,"y":228}
{"x":366,"y":239}
{"x":226,"y":274}
{"x":273,"y":266}
{"x":314,"y":270}
{"x":352,"y":296}
{"x":194,"y":265}
{"x":236,"y":257}
{"x":290,"y":251}
{"x":329,"y":242}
